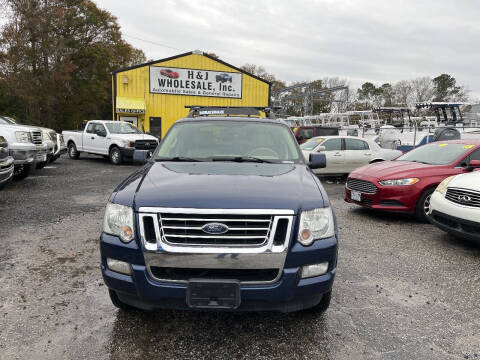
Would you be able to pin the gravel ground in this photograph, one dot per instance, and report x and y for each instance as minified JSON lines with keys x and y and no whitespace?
{"x":403,"y":290}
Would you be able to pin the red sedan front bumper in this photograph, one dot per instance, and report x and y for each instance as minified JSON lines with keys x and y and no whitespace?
{"x":378,"y":197}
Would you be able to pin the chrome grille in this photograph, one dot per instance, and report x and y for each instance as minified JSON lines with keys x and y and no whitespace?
{"x":243,"y":230}
{"x":463,"y":197}
{"x":361,"y":185}
{"x":37,"y":137}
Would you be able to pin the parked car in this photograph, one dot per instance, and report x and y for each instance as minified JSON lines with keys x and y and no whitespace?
{"x":169,"y":73}
{"x":60,"y":147}
{"x":6,"y":163}
{"x":226,"y":215}
{"x":407,"y":183}
{"x":346,"y":153}
{"x":303,"y":133}
{"x":50,"y":143}
{"x":223,"y":78}
{"x":455,"y":205}
{"x":116,"y":139}
{"x":26,"y":147}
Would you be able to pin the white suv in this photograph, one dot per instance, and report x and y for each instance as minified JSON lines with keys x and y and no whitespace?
{"x":455,"y":206}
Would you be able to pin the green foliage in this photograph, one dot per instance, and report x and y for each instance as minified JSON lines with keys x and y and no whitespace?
{"x":56,"y":59}
{"x":445,"y":88}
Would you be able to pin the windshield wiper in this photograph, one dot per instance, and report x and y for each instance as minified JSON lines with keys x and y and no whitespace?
{"x":179,"y":159}
{"x":242,"y":159}
{"x":421,"y":162}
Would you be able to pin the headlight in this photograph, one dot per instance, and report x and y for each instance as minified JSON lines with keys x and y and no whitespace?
{"x":442,"y":187}
{"x":315,"y":224}
{"x":22,"y":136}
{"x":128,"y":144}
{"x":119,"y":221}
{"x":399,"y":182}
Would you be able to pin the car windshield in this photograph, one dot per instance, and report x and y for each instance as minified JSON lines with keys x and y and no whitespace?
{"x":311,"y":144}
{"x":229,"y":140}
{"x":437,"y":153}
{"x":6,"y":121}
{"x":122,"y":128}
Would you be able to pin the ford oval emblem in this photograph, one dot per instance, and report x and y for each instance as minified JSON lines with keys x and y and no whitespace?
{"x":215,"y":228}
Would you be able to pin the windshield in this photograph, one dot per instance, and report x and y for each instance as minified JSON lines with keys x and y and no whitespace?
{"x":437,"y":153}
{"x":122,"y":128}
{"x":233,"y":140}
{"x":311,"y":144}
{"x":5,"y":120}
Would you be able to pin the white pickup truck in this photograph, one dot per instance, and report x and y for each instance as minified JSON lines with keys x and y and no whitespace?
{"x":118,"y":140}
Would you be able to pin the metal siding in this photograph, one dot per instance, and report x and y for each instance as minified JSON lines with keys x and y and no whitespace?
{"x":172,"y":107}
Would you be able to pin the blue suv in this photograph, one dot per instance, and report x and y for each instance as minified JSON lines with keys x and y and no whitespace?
{"x":226,"y":215}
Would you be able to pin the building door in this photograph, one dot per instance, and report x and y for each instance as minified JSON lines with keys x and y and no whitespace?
{"x":156,"y":126}
{"x":131,"y":119}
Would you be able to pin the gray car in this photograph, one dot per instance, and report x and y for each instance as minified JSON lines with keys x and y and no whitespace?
{"x":6,"y":163}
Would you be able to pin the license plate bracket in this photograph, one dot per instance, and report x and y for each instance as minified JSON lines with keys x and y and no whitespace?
{"x":356,"y":196}
{"x":213,"y":294}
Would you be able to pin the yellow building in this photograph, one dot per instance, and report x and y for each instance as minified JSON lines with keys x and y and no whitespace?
{"x":154,"y":95}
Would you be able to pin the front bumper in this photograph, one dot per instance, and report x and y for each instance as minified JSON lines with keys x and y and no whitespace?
{"x":459,"y":220}
{"x":135,"y":155}
{"x":6,"y":169}
{"x":387,"y":198}
{"x":26,"y":153}
{"x":288,"y":293}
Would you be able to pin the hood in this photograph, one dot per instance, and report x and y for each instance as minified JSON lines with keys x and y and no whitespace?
{"x":469,"y":181}
{"x":385,"y":170}
{"x":133,"y":137}
{"x":223,"y":185}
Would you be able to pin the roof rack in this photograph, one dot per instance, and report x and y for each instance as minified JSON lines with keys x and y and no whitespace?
{"x":391,"y":109}
{"x":197,"y":110}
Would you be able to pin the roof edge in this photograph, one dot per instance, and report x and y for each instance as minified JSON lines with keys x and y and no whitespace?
{"x":187,"y":54}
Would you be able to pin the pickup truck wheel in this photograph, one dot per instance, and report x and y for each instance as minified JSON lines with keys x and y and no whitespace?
{"x":117,"y":303}
{"x":73,"y":153}
{"x":21,"y":172}
{"x":115,"y":156}
{"x":323,"y":305}
{"x":423,"y":205}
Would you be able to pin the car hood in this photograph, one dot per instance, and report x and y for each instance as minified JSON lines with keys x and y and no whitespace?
{"x":385,"y":170}
{"x":17,"y":127}
{"x":467,"y":181}
{"x":223,"y":185}
{"x":133,"y":137}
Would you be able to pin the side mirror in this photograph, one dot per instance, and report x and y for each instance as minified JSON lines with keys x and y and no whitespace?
{"x":474,"y":164}
{"x":317,"y":161}
{"x":102,"y":133}
{"x":321,"y":148}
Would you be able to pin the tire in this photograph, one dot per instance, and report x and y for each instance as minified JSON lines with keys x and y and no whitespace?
{"x":115,"y":156}
{"x":323,"y":305}
{"x":40,"y":165}
{"x":117,"y":303}
{"x":21,"y":172}
{"x":73,"y":153}
{"x":423,"y":205}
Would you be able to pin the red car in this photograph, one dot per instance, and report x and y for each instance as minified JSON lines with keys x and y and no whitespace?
{"x":169,"y":73}
{"x":407,"y":183}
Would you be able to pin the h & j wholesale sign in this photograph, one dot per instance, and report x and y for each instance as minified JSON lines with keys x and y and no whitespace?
{"x":179,"y":81}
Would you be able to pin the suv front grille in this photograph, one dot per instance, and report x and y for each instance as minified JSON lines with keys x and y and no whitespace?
{"x":362,"y":186}
{"x":186,"y":229}
{"x":37,"y":137}
{"x":146,"y":144}
{"x":185,"y":274}
{"x":463,"y":197}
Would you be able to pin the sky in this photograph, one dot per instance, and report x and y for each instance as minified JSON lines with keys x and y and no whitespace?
{"x":376,"y":41}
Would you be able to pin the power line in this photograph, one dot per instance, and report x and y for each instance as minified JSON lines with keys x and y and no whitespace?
{"x":154,"y":43}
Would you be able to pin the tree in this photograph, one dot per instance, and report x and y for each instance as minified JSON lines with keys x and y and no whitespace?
{"x":56,"y":58}
{"x":402,"y":91}
{"x":422,"y":89}
{"x":263,"y":74}
{"x":446,"y":89}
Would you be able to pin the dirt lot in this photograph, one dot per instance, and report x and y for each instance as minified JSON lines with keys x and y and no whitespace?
{"x":403,"y":290}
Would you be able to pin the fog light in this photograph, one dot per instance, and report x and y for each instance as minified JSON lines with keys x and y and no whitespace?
{"x":314,"y":270}
{"x":121,"y":267}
